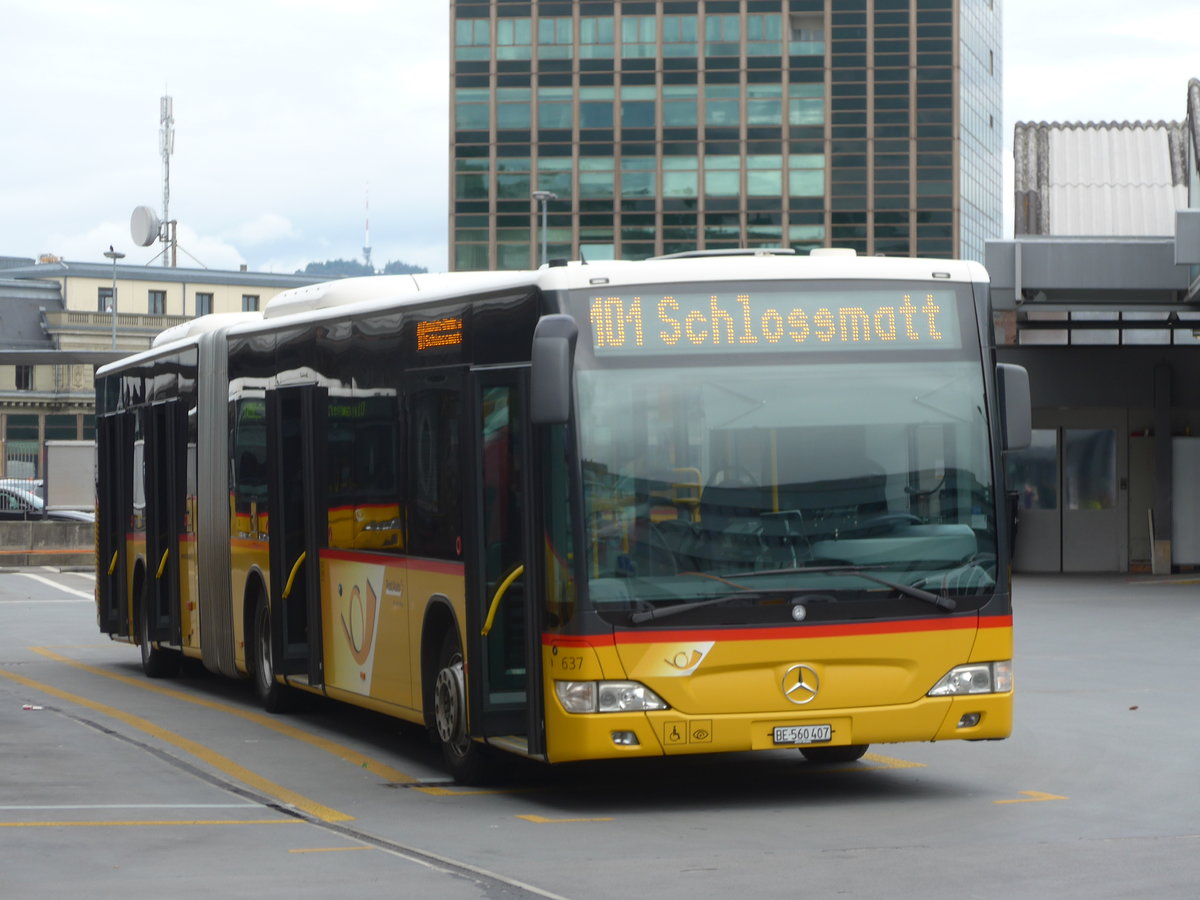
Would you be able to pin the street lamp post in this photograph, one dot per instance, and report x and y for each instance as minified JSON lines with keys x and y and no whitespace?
{"x":544,"y":197}
{"x":114,"y":255}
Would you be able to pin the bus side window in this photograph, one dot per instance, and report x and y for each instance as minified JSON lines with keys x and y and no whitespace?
{"x":435,"y":464}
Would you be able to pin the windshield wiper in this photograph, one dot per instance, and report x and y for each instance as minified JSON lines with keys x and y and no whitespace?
{"x":907,"y":590}
{"x":661,"y":612}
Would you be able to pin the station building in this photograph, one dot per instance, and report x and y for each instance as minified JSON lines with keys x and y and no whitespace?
{"x":1099,"y":298}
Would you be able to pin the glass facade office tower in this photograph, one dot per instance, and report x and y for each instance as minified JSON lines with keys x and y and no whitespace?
{"x":678,"y":125}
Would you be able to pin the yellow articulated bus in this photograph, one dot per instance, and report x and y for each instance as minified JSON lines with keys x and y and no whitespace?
{"x":683,"y":505}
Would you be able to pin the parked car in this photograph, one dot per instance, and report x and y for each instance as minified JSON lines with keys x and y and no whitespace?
{"x":18,"y":505}
{"x":33,"y":485}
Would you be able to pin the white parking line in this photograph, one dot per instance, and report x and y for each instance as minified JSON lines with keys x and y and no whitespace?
{"x":45,"y":806}
{"x":54,"y":584}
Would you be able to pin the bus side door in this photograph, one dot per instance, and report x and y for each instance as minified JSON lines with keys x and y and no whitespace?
{"x":165,"y":428}
{"x":296,"y":429}
{"x":114,"y":493}
{"x":503,"y":624}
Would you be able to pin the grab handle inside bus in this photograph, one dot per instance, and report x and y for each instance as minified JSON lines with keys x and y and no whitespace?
{"x":551,"y":361}
{"x":500,"y":592}
{"x":287,"y":588}
{"x":162,"y":563}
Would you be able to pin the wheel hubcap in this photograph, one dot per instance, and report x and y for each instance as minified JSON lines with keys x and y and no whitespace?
{"x":448,"y":707}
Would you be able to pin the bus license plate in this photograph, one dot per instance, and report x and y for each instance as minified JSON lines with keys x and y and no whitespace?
{"x":803,"y":734}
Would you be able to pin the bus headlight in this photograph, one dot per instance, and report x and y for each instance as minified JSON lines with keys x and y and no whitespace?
{"x":976,"y":678}
{"x":606,"y":696}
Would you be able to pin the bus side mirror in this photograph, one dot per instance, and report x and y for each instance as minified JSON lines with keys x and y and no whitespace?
{"x":1015,"y":407}
{"x":551,"y":361}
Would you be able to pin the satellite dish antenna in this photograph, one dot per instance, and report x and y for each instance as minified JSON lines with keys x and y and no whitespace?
{"x":145,"y":226}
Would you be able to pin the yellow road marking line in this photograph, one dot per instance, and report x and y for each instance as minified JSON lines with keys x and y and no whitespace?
{"x":341,"y":751}
{"x":436,"y":791}
{"x":541,"y":820}
{"x":1032,"y":797}
{"x":150,"y":823}
{"x":889,"y":762}
{"x":214,"y":759}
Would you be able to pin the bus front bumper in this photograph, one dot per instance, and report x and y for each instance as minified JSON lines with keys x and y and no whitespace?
{"x":573,"y":737}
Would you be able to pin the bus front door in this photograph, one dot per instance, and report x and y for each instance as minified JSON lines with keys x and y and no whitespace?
{"x":297,"y":527}
{"x":165,"y":429}
{"x":503,"y":625}
{"x":114,"y":493}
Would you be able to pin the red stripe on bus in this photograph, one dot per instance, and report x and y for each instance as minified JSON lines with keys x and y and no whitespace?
{"x":420,"y":564}
{"x":776,"y":632}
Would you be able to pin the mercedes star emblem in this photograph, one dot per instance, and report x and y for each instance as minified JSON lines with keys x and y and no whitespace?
{"x":800,"y":684}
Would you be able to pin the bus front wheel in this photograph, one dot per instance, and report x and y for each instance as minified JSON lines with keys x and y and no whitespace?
{"x":465,"y":758}
{"x":845,"y":754}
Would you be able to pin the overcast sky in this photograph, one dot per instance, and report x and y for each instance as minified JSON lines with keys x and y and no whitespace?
{"x":288,"y":115}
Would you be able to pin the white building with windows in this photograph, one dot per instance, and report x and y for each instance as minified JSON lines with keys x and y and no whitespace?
{"x":58,"y":321}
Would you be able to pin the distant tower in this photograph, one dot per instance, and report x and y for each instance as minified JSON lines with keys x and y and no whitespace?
{"x":367,"y":230}
{"x":166,"y":145}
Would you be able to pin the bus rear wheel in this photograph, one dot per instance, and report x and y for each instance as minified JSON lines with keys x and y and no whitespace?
{"x":274,"y":696}
{"x":157,"y":662}
{"x":848,"y":753}
{"x":466,"y":759}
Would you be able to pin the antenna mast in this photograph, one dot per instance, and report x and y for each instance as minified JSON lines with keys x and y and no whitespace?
{"x":166,"y":145}
{"x":367,"y":228}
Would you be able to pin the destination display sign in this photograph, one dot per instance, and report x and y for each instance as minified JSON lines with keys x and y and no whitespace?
{"x":904,"y":317}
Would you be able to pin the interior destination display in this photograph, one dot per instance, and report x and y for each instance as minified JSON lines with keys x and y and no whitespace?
{"x":905,"y":317}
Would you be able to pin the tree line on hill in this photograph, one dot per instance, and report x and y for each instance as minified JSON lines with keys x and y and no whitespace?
{"x":350,"y":268}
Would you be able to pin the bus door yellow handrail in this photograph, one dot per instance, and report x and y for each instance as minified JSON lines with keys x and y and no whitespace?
{"x":287,"y":588}
{"x":500,"y":591}
{"x":162,"y":563}
{"x":112,"y":566}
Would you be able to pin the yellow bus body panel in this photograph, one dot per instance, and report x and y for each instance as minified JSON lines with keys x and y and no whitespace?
{"x":727,"y":691}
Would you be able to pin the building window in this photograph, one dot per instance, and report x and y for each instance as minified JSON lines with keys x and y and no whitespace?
{"x":722,"y":35}
{"x":554,"y":38}
{"x":204,"y":304}
{"x":554,"y":175}
{"x":554,"y":107}
{"x":24,"y":378}
{"x":61,"y":427}
{"x":679,"y":106}
{"x":472,"y":39}
{"x":596,"y":37}
{"x":104,"y":297}
{"x":679,"y":36}
{"x":637,"y":107}
{"x":596,"y":107}
{"x":638,"y":37}
{"x":158,"y":303}
{"x":723,"y":105}
{"x":249,"y":302}
{"x":514,"y":38}
{"x":807,"y":36}
{"x":764,"y":34}
{"x":512,"y":108}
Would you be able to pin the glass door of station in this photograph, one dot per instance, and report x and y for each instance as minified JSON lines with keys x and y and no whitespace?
{"x":1072,"y":493}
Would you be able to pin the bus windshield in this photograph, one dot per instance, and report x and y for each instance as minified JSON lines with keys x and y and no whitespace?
{"x":745,"y":479}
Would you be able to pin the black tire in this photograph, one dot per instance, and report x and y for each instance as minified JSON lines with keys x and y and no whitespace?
{"x":466,"y":759}
{"x":845,"y":754}
{"x":275,"y":696}
{"x":157,"y":662}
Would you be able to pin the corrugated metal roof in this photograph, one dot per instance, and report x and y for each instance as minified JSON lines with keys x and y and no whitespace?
{"x":1102,"y":179}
